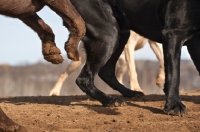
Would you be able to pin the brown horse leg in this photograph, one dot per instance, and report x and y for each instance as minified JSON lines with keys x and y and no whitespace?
{"x":50,"y":52}
{"x":7,"y":125}
{"x":76,"y":25}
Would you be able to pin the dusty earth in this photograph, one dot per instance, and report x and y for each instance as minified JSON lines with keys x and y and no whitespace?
{"x":83,"y":114}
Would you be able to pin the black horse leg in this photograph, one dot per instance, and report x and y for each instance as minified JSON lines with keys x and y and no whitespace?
{"x":107,"y":72}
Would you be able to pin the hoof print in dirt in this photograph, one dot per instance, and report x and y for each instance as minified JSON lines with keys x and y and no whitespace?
{"x":179,"y":109}
{"x":115,"y":102}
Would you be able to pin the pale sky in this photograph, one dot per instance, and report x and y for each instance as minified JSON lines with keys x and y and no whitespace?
{"x":21,"y":45}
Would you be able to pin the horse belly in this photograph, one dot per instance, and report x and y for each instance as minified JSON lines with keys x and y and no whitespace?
{"x":20,"y":8}
{"x":144,"y":17}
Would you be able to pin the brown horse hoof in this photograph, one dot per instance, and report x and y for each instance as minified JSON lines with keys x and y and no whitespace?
{"x":71,"y":47}
{"x":51,"y":53}
{"x":72,"y":52}
{"x":73,"y":55}
{"x":54,"y":59}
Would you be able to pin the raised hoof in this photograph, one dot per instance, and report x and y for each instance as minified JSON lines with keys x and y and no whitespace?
{"x":176,"y":108}
{"x":73,"y":55}
{"x":72,"y":52}
{"x":51,"y":53}
{"x":54,"y":59}
{"x":115,"y":102}
{"x":7,"y":125}
{"x":131,"y":94}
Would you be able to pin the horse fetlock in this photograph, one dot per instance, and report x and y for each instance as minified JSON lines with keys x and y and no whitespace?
{"x":160,"y":80}
{"x":50,"y":48}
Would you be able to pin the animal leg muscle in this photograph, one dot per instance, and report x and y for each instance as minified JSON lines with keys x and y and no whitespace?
{"x":172,"y":50}
{"x":107,"y":72}
{"x":75,"y":24}
{"x":50,"y":52}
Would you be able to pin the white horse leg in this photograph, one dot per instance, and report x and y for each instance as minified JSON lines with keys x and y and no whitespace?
{"x":133,"y":42}
{"x":71,"y":68}
{"x":157,"y":49}
{"x":121,"y":68}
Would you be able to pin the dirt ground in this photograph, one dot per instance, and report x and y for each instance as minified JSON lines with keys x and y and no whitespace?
{"x":83,"y":114}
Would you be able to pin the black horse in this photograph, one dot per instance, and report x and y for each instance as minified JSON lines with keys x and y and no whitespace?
{"x":173,"y":23}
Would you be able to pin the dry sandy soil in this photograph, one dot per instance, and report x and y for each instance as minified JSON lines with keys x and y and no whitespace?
{"x":83,"y":114}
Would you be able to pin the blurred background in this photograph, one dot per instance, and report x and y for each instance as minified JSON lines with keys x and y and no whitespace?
{"x":24,"y":72}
